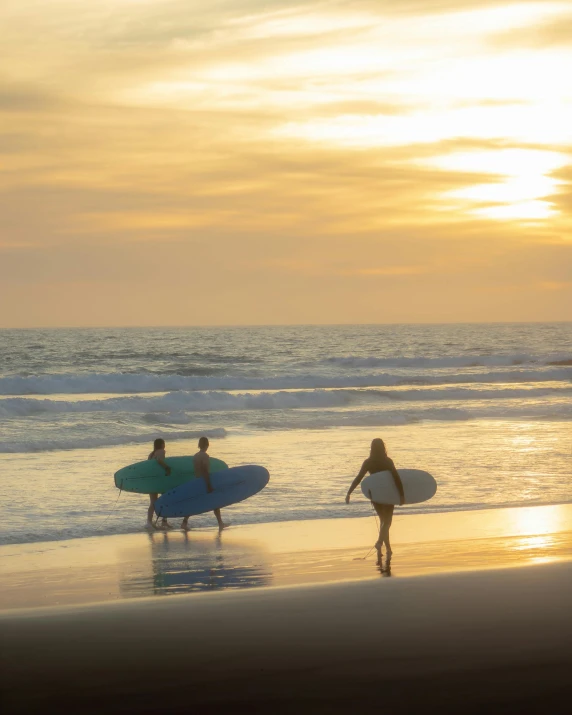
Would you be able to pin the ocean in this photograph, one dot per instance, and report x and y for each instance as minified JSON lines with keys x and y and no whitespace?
{"x":486,"y":408}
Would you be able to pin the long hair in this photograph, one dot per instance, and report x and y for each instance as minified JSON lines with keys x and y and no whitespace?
{"x":158,"y":444}
{"x":378,"y":448}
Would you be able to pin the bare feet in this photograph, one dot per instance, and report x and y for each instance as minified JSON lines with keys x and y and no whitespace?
{"x":150,"y":526}
{"x":223,"y":525}
{"x":185,"y":525}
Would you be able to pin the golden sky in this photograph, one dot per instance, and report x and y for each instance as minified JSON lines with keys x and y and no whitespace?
{"x":183,"y":162}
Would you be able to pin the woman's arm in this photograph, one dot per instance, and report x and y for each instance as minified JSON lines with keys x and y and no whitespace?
{"x":398,"y":483}
{"x":357,"y":480}
{"x":164,"y":465}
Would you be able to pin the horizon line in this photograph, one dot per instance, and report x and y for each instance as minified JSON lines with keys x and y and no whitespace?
{"x":283,"y":325}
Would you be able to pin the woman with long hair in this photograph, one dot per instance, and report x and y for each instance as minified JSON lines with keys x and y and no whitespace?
{"x":378,"y":461}
{"x":158,"y":454}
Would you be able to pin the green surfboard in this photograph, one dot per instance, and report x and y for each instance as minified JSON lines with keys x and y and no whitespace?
{"x":149,"y":477}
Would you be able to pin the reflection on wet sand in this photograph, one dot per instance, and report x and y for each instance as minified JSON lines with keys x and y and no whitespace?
{"x":281,"y":554}
{"x":182,"y":563}
{"x":385,"y":566}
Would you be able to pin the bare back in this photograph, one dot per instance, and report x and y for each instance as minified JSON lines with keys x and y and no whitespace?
{"x":201,"y":462}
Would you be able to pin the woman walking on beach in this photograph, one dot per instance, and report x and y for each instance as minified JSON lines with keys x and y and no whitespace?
{"x":158,"y":454}
{"x":378,"y":461}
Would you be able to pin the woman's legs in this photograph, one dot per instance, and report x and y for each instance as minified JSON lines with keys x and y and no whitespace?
{"x":152,"y":499}
{"x":379,"y":510}
{"x":385,"y":513}
{"x":151,"y":510}
{"x":384,"y":532}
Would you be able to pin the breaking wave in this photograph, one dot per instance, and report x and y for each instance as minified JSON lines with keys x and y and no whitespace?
{"x":104,"y":441}
{"x":176,"y":404}
{"x":127,"y":383}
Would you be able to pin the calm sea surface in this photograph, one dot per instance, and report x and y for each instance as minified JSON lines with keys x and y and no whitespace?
{"x":486,"y":408}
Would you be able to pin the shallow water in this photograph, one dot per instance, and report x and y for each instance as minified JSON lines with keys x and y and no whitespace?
{"x":485,"y":408}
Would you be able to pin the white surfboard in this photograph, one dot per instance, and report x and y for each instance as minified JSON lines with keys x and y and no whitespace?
{"x":418,"y":486}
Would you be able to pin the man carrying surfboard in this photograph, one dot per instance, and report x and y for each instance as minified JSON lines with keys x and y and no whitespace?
{"x":378,"y":461}
{"x":201,"y":461}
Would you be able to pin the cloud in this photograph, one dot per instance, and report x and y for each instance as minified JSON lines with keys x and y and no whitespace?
{"x":550,"y":34}
{"x":19,"y":98}
{"x":282,"y":145}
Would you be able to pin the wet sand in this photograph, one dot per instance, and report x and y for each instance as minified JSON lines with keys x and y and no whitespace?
{"x":476,"y":616}
{"x":112,"y":568}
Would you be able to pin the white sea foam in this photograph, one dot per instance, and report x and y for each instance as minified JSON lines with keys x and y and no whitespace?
{"x":167,"y":418}
{"x":171,"y":408}
{"x":127,"y":383}
{"x":381,"y":418}
{"x":370,"y":418}
{"x":118,"y":390}
{"x":93,"y":442}
{"x":123,"y":521}
{"x":285,"y":420}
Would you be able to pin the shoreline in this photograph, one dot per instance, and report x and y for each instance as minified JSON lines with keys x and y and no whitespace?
{"x":472,"y":614}
{"x":460,"y":509}
{"x":113,"y":568}
{"x":71,"y":494}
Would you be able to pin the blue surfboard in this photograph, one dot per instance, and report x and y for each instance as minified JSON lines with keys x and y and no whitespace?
{"x":229,"y":487}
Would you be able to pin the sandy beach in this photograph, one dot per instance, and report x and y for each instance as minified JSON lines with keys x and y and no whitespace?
{"x":315,"y":242}
{"x":285,"y":617}
{"x":111,"y":568}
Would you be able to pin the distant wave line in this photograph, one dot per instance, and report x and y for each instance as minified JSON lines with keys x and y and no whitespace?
{"x":179,"y":402}
{"x":137,"y":383}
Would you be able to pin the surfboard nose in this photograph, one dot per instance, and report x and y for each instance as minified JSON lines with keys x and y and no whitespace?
{"x":256,"y":473}
{"x":259,"y":472}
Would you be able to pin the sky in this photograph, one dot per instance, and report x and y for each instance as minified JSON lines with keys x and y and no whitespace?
{"x":176,"y":162}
